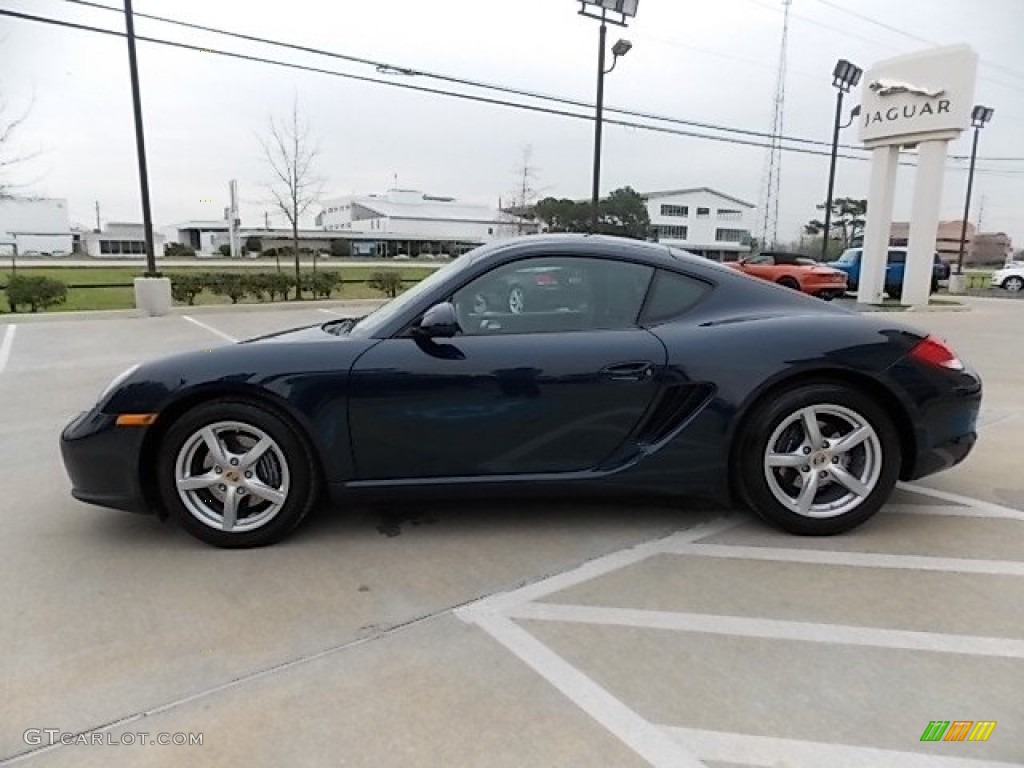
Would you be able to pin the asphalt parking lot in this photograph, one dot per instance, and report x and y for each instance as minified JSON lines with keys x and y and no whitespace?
{"x":502,"y":634}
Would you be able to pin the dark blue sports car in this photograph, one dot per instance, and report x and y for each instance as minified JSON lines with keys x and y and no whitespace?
{"x":651,"y":372}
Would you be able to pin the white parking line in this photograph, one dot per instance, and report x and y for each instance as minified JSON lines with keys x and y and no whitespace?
{"x":859,"y":559}
{"x":767,"y":752}
{"x":5,"y":346}
{"x":772,"y":629}
{"x":646,"y":739}
{"x":995,"y":510}
{"x":329,"y":311}
{"x":995,"y":513}
{"x":210,"y":328}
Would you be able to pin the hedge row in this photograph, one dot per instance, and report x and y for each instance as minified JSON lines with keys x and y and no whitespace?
{"x":37,"y":292}
{"x":271,"y":286}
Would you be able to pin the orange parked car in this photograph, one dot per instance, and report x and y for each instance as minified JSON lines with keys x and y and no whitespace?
{"x":795,"y":271}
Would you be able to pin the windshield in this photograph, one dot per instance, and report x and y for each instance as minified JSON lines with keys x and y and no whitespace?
{"x":376,"y":320}
{"x":849,"y":256}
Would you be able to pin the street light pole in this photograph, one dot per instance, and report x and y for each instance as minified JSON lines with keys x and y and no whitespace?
{"x":621,"y":11}
{"x":844,"y":77}
{"x":595,"y":195}
{"x":979,"y":116}
{"x":140,"y":142}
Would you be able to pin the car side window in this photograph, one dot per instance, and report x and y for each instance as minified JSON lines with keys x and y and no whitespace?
{"x":671,"y":295}
{"x":553,"y":295}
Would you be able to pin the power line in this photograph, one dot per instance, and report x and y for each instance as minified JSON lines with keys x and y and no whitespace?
{"x":910,"y":35}
{"x":423,"y":89}
{"x":386,"y":67}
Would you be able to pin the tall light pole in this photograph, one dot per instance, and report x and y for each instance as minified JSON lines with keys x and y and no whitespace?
{"x":621,"y":11}
{"x":140,"y":142}
{"x":844,"y":77}
{"x":979,"y":116}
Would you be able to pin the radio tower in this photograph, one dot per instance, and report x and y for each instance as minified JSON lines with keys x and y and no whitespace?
{"x":772,"y":178}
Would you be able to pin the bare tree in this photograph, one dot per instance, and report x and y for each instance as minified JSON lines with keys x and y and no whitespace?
{"x":292,"y":154}
{"x":9,"y":158}
{"x":525,"y":195}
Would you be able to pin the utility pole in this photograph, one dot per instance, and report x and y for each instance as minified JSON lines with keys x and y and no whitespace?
{"x":266,"y":220}
{"x":98,"y":216}
{"x":233,"y":220}
{"x":140,"y":140}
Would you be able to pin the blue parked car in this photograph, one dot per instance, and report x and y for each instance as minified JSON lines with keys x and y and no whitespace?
{"x":849,"y":262}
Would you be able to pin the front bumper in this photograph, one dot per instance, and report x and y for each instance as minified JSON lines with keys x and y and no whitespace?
{"x":102,"y":461}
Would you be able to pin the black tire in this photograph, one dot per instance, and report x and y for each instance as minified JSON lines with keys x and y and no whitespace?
{"x":878,"y":457}
{"x":788,"y":282}
{"x":935,"y":285}
{"x":893,"y":292}
{"x":299,"y":470}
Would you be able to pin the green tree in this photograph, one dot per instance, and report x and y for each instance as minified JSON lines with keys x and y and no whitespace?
{"x":37,"y":292}
{"x":388,"y":283}
{"x":848,"y":217}
{"x":624,"y":213}
{"x":563,"y":215}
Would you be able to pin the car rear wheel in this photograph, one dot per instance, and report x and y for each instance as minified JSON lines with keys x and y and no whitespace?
{"x":818,"y":460}
{"x":236,"y":475}
{"x":1013,"y":283}
{"x":789,"y":282}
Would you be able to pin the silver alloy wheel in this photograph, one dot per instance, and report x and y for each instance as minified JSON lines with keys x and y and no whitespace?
{"x":1013,"y":283}
{"x":516,"y":300}
{"x":823,"y":461}
{"x":232,"y":476}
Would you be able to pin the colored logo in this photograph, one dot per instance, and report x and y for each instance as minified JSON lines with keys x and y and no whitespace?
{"x":958,"y":730}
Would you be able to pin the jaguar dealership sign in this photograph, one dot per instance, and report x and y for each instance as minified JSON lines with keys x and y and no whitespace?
{"x":925,"y":93}
{"x":921,"y":101}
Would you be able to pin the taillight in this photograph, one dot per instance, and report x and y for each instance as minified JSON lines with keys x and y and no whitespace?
{"x":545,"y":278}
{"x":935,"y":351}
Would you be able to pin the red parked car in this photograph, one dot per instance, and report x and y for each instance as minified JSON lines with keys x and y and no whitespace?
{"x":795,"y":271}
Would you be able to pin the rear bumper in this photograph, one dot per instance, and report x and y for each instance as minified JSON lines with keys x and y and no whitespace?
{"x":102,"y":461}
{"x":946,"y":424}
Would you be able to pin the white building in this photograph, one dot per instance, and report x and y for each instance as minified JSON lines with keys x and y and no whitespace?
{"x":701,"y":220}
{"x":35,"y":226}
{"x":120,"y":240}
{"x":419,"y":216}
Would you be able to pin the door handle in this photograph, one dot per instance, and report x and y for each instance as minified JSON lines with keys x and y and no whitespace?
{"x":632,"y":371}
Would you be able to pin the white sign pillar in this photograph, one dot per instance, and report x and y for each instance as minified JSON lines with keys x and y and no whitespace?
{"x":881,"y":194}
{"x":922,"y":100}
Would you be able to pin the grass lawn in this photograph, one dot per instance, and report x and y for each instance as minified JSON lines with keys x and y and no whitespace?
{"x":354,"y":286}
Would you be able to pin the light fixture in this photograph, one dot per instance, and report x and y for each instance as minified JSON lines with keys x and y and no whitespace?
{"x":846,"y":75}
{"x":599,"y":9}
{"x":981,"y":115}
{"x":621,"y":48}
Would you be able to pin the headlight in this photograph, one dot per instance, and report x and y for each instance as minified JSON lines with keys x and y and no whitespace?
{"x":116,"y":380}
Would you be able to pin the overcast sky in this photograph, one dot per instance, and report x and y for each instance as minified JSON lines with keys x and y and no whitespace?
{"x":711,"y":61}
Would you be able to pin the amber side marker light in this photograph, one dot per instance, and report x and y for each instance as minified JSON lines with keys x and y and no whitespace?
{"x":135,"y":419}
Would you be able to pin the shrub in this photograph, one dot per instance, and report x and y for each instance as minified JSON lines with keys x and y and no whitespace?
{"x":321,"y":284}
{"x":253,"y":245}
{"x":173,"y":250}
{"x":37,"y":292}
{"x":269,"y":284}
{"x":388,"y":283}
{"x":186,"y":287}
{"x":341,"y":249}
{"x":224,"y":250}
{"x":230,"y":284}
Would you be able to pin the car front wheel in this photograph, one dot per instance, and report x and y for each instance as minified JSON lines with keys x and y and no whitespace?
{"x":1013,"y":283}
{"x":818,"y":460}
{"x":236,"y":474}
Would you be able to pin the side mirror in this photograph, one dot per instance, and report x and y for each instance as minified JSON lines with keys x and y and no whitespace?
{"x":439,"y":322}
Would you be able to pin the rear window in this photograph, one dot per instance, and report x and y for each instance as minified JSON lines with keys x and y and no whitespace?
{"x":671,"y":295}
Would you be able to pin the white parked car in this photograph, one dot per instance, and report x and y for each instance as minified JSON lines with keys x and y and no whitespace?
{"x":1011,"y":278}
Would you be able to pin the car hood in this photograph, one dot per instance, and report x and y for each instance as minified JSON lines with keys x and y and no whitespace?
{"x":307,"y":333}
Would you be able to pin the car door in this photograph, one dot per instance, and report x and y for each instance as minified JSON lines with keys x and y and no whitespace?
{"x":550,"y":390}
{"x":895,"y":264}
{"x":761,"y":265}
